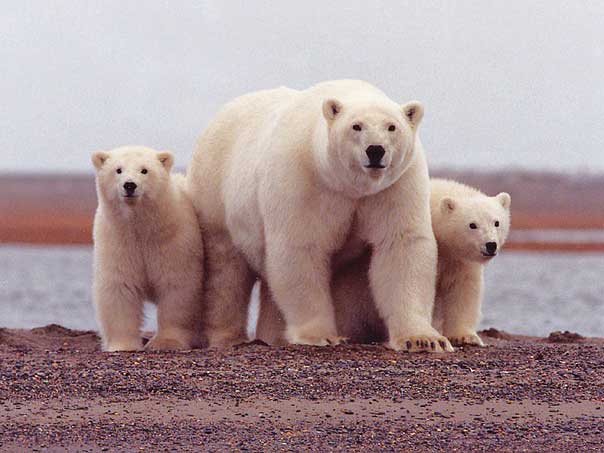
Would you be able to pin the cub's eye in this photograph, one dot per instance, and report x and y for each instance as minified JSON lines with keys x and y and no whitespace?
{"x":473,"y":226}
{"x":357,"y":127}
{"x":497,"y":223}
{"x":392,"y":128}
{"x":118,"y":171}
{"x":144,"y":171}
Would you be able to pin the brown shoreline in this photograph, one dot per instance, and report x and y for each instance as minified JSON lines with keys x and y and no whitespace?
{"x":57,"y":391}
{"x":54,"y":229}
{"x":58,"y":208}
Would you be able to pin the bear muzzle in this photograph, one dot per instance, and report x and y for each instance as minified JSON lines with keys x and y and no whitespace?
{"x":130,"y":189}
{"x":375,"y":154}
{"x":490,"y":249}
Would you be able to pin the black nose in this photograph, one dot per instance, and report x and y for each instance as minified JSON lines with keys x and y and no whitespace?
{"x":375,"y":154}
{"x":130,"y":187}
{"x":491,"y":247}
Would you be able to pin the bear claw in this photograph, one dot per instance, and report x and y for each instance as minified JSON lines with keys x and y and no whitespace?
{"x":466,"y":340}
{"x":422,"y":344}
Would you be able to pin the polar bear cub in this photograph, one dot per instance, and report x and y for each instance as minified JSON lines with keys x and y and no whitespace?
{"x":470,"y":229}
{"x":284,"y":181}
{"x":147,"y":247}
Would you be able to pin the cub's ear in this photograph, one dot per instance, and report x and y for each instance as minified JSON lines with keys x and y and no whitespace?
{"x":331,"y":109}
{"x":413,"y":112}
{"x":447,"y":205}
{"x":505,"y":199}
{"x":99,"y":158}
{"x":166,"y":158}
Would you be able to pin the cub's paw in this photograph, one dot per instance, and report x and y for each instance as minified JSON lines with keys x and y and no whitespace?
{"x":421,"y":343}
{"x":166,"y":344}
{"x":468,"y":339}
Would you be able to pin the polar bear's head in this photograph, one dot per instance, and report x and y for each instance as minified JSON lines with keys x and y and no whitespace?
{"x":131,"y":174}
{"x":371,"y":140}
{"x":473,"y":228}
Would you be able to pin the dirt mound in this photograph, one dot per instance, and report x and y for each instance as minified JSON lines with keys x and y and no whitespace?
{"x":495,"y":333}
{"x":50,"y":337}
{"x":565,"y":337}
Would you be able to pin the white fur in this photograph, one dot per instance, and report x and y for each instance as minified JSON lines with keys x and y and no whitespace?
{"x":280,"y":183}
{"x":460,"y":270}
{"x":146,"y":248}
{"x":462,"y":253}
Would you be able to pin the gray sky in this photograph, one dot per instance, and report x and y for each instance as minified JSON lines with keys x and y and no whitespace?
{"x":504,"y":83}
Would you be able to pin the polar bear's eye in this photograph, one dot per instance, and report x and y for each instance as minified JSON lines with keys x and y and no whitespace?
{"x":144,"y":171}
{"x":356,"y":127}
{"x":392,"y":128}
{"x":118,"y":171}
{"x":496,"y":223}
{"x":473,"y":226}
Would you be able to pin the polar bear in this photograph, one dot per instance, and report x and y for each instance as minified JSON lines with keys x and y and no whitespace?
{"x":147,"y":247}
{"x":470,"y":229}
{"x":285,"y":181}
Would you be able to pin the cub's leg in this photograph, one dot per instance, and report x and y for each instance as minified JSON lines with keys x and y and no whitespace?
{"x":458,"y":303}
{"x":119,"y":310}
{"x":228,"y":284}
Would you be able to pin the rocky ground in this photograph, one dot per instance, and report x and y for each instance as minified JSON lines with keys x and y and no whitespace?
{"x":59,"y":392}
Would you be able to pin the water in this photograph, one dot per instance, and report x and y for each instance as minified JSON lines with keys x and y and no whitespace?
{"x":531,"y":294}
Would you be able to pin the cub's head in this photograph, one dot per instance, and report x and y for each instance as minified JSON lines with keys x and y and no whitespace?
{"x":473,"y":228}
{"x":371,"y":141}
{"x":131,"y":174}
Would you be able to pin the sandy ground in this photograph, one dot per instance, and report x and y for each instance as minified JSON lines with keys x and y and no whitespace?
{"x":58,"y":392}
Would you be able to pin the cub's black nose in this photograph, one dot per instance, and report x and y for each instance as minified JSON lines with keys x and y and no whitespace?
{"x":129,"y":187}
{"x":375,"y":154}
{"x":491,"y":247}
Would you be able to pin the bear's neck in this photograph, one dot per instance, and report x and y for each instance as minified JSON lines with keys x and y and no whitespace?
{"x":449,"y":259}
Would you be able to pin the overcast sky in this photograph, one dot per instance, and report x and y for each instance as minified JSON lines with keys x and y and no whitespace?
{"x":504,"y":83}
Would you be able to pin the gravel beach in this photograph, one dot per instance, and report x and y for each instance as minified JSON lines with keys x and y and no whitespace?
{"x":59,"y":392}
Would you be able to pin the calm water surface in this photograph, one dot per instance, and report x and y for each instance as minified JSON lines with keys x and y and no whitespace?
{"x":531,"y":294}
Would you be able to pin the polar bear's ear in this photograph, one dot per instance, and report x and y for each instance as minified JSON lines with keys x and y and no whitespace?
{"x":331,"y":109}
{"x":166,"y":158}
{"x":447,"y":205}
{"x":505,"y":199}
{"x":414,"y":112}
{"x":99,"y":158}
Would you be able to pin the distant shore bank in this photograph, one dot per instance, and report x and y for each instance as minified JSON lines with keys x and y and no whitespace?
{"x":58,"y":209}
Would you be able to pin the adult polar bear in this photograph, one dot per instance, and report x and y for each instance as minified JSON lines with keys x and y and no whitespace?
{"x":284,"y":181}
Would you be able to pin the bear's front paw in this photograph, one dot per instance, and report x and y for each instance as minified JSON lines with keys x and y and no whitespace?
{"x":467,"y":339}
{"x":421,"y":343}
{"x":166,"y":344}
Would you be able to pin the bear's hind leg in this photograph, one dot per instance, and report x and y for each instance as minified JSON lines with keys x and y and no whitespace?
{"x":271,"y":325}
{"x":228,"y":285}
{"x":179,"y":313}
